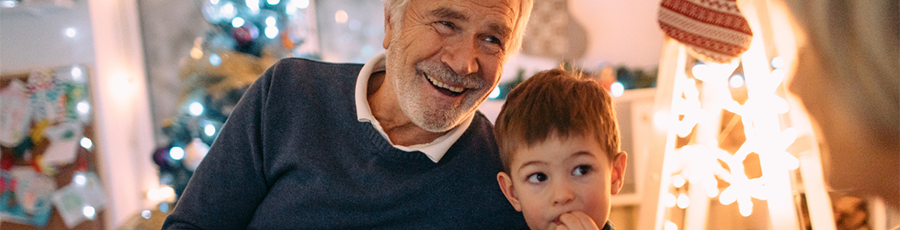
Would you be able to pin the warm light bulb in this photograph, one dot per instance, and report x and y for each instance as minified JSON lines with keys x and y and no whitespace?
{"x":712,"y":187}
{"x":670,"y":226}
{"x":736,"y":81}
{"x":700,"y":71}
{"x":678,"y":181}
{"x":669,"y":200}
{"x":153,"y":195}
{"x":745,"y":206}
{"x":777,"y":62}
{"x":340,"y":16}
{"x":683,"y":201}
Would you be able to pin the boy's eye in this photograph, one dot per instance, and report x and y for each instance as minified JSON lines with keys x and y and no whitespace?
{"x":537,"y":178}
{"x":581,"y":170}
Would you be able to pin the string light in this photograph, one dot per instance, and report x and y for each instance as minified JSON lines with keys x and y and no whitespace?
{"x":76,"y":74}
{"x":271,"y":32}
{"x":670,"y":226}
{"x":164,"y":206}
{"x":83,"y":107}
{"x":215,"y":60}
{"x":146,"y":214}
{"x":8,"y":3}
{"x":616,"y":89}
{"x":237,"y":22}
{"x":167,"y":193}
{"x":228,"y":11}
{"x":678,"y":181}
{"x":340,"y":16}
{"x":71,"y":32}
{"x":86,"y":143}
{"x":80,"y":179}
{"x":195,"y":108}
{"x":302,"y":4}
{"x":253,"y":5}
{"x":777,"y":62}
{"x":699,"y":164}
{"x":270,"y":21}
{"x":196,"y":53}
{"x":209,"y":130}
{"x":273,"y":2}
{"x":494,"y":93}
{"x":736,"y":81}
{"x":669,"y":200}
{"x":89,"y":212}
{"x":683,"y":201}
{"x":176,"y":153}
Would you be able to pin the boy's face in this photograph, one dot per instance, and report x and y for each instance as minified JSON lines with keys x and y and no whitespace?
{"x":562,"y":176}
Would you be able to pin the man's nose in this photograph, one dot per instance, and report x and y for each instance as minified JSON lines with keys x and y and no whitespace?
{"x":462,"y":56}
{"x":562,"y":193}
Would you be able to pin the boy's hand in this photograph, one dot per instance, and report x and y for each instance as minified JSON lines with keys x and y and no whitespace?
{"x":576,"y":220}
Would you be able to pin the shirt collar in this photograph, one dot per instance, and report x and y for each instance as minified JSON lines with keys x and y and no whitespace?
{"x":434,"y":150}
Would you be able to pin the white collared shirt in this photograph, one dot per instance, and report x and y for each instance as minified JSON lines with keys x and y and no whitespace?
{"x":434,"y":150}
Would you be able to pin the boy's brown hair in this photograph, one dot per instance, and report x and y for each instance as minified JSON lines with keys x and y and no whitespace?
{"x":556,"y":102}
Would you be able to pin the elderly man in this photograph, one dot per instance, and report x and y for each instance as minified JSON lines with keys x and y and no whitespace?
{"x":392,"y":144}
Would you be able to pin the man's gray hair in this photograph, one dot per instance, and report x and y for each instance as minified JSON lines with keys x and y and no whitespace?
{"x":397,"y":7}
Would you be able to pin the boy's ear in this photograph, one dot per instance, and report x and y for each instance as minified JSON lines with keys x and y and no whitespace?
{"x":618,"y":172}
{"x":509,"y":191}
{"x":387,"y":28}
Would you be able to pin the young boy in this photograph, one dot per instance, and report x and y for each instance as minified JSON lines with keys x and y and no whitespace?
{"x":559,"y":142}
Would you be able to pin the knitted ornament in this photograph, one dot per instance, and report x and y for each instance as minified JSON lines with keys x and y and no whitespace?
{"x":714,"y":30}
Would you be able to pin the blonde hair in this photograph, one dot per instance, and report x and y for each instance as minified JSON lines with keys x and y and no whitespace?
{"x":854,"y":45}
{"x":397,"y":7}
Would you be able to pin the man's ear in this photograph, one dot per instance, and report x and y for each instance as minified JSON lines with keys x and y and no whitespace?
{"x":509,"y":191}
{"x":388,"y":28}
{"x":618,"y":172}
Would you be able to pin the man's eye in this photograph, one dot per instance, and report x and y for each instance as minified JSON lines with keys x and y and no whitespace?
{"x":494,"y":40}
{"x":444,"y":27}
{"x":537,"y":178}
{"x":581,"y":170}
{"x":447,"y":24}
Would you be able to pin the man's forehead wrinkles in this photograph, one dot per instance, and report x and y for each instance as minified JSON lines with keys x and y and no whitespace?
{"x":445,"y":12}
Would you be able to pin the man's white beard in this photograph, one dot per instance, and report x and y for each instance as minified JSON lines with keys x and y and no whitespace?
{"x":421,"y":111}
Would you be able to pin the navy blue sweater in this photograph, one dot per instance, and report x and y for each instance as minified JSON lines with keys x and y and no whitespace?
{"x":293,"y":156}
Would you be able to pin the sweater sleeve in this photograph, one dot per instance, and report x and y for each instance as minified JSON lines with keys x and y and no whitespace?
{"x":229,"y":184}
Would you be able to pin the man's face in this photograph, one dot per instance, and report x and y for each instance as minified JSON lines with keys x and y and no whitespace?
{"x":561,"y":176}
{"x":447,"y":56}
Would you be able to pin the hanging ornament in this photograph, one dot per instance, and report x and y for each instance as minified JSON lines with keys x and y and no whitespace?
{"x":161,"y":158}
{"x":714,"y":30}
